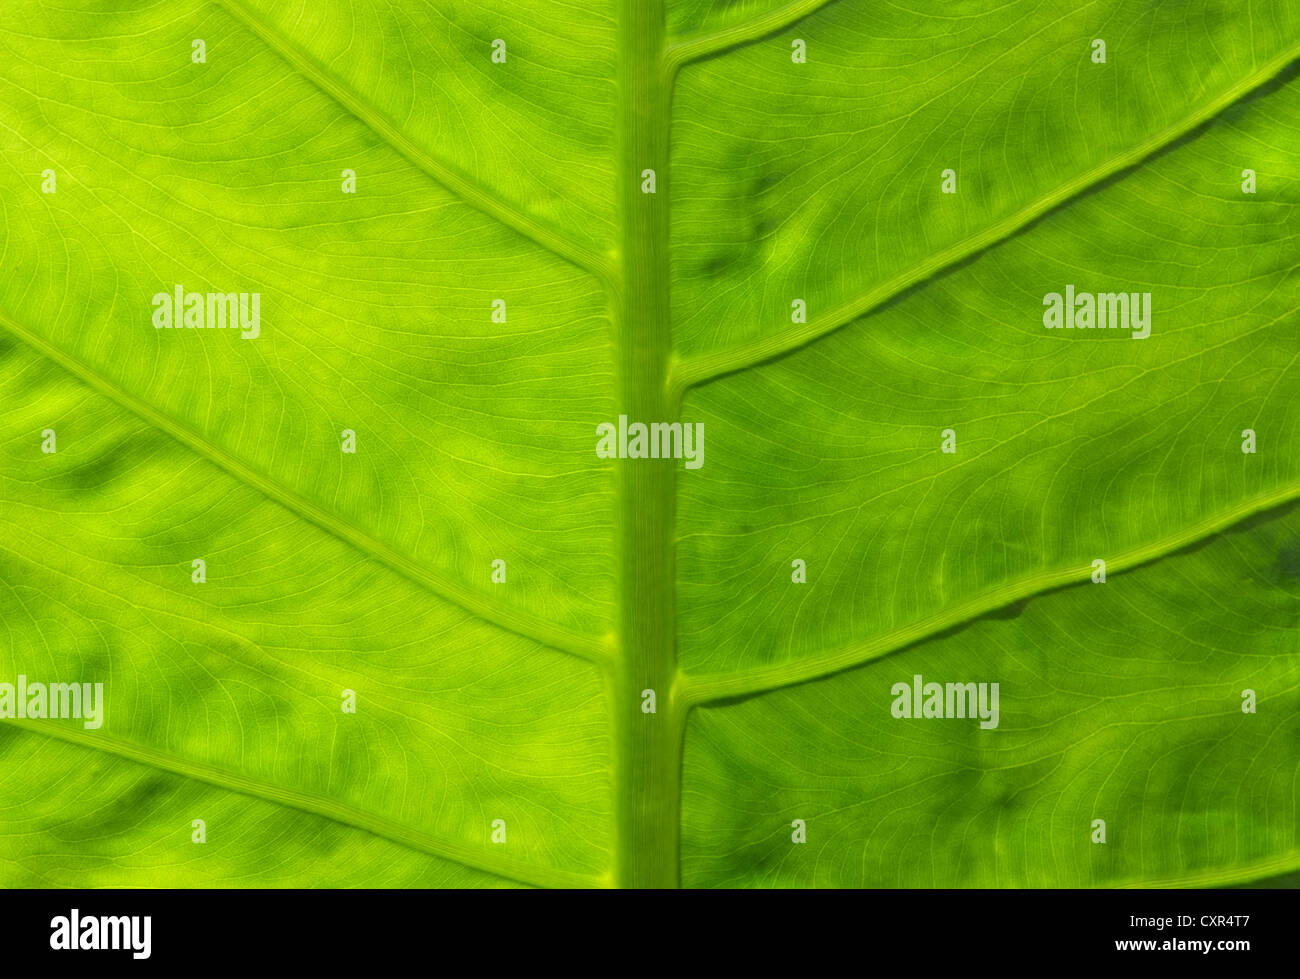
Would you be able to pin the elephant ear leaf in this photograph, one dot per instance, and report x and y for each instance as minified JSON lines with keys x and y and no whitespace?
{"x":313,"y":571}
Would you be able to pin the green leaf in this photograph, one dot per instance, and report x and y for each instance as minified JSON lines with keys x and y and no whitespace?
{"x":501,"y":733}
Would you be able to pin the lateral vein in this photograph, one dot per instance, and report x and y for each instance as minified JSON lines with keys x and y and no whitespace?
{"x":703,"y":688}
{"x":337,"y":812}
{"x":1256,"y":870}
{"x":755,"y":29}
{"x":692,"y":371}
{"x":539,"y":630}
{"x":462,"y":186}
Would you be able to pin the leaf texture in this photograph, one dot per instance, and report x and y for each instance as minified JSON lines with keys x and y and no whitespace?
{"x":500,"y":284}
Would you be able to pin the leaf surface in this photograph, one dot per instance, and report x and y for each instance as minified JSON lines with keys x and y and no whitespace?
{"x":517,"y":185}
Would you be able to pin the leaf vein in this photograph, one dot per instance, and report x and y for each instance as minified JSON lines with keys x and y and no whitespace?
{"x":514,"y":620}
{"x":699,"y":369}
{"x":462,"y":186}
{"x":337,"y":812}
{"x":705,"y":688}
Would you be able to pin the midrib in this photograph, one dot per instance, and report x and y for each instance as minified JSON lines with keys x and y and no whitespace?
{"x":647,"y":767}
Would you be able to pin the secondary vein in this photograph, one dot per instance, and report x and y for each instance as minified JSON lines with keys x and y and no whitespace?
{"x":755,"y":29}
{"x":703,"y":688}
{"x":539,"y":630}
{"x":330,"y":809}
{"x":444,"y":173}
{"x":691,"y":371}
